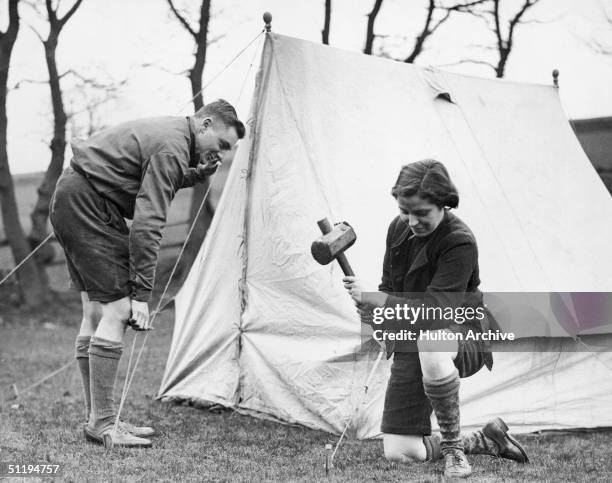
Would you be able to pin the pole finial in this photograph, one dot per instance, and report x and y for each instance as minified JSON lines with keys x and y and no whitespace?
{"x":267,"y":18}
{"x":555,"y":74}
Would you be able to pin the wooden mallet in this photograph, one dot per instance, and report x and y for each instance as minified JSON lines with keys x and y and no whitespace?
{"x":332,"y":245}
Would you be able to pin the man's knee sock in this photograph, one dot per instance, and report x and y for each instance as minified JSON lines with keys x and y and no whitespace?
{"x":473,"y":443}
{"x":81,"y":346}
{"x":444,"y":397}
{"x":104,"y":358}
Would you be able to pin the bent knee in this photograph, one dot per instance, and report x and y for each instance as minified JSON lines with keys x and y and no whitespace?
{"x":119,"y":310}
{"x":397,"y":456}
{"x":436,"y":344}
{"x":404,"y":448}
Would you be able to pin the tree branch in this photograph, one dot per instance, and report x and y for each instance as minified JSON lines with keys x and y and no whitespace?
{"x":182,"y":19}
{"x":149,"y":65}
{"x":28,"y":81}
{"x":500,"y":42}
{"x":468,"y":61}
{"x":370,"y":30}
{"x":69,"y":13}
{"x":599,"y":47}
{"x":420,"y":40}
{"x":204,"y":19}
{"x":326,"y":22}
{"x":32,"y":4}
{"x":51,"y":14}
{"x":13,"y":26}
{"x":37,"y":34}
{"x":92,"y":82}
{"x":480,"y":46}
{"x":541,"y":22}
{"x":429,"y":30}
{"x":517,"y":18}
{"x":440,"y":22}
{"x":215,"y":39}
{"x":465,"y":7}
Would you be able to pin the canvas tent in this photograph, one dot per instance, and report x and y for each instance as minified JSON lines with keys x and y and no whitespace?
{"x":262,"y":328}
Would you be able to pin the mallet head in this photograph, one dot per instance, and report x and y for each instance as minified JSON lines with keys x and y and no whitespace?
{"x":327,"y":247}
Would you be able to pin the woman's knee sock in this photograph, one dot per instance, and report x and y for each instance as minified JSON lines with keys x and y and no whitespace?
{"x":443,"y":394}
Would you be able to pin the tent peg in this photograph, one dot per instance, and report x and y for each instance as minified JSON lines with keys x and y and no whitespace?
{"x":555,"y":74}
{"x":267,"y":18}
{"x":328,"y":459}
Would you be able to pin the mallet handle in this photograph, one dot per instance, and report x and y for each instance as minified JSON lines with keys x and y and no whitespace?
{"x":325,"y":226}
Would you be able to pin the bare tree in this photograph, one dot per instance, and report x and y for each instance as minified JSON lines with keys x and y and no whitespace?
{"x":370,"y":35}
{"x":201,"y":40}
{"x":40,"y":213}
{"x":326,"y":22}
{"x":431,"y":24}
{"x":28,"y":277}
{"x":599,"y":45}
{"x":505,"y":40}
{"x":87,"y":98}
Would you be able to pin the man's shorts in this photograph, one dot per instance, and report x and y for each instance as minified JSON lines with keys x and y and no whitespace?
{"x":407,"y":409}
{"x":94,"y":236}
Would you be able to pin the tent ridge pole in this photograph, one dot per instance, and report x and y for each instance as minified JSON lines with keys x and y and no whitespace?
{"x":255,"y":122}
{"x":256,"y":109}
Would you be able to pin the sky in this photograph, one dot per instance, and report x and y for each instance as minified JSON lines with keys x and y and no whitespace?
{"x":140,"y":43}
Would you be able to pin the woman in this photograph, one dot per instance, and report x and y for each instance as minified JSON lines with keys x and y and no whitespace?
{"x":432,"y":258}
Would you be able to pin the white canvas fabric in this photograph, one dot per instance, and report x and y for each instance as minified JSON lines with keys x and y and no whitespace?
{"x":262,"y":328}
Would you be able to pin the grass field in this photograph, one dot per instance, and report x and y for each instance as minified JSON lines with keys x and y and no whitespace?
{"x":43,"y":425}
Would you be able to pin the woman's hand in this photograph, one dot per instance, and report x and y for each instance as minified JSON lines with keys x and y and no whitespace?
{"x":365,"y":313}
{"x":355,"y":289}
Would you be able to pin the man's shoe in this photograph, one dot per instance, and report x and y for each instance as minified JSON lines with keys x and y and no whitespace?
{"x":140,"y":431}
{"x":509,"y":448}
{"x":120,"y":438}
{"x":92,"y":435}
{"x":456,"y":464}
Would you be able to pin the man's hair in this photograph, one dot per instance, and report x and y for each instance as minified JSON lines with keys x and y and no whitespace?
{"x":223,"y":111}
{"x":428,"y":179}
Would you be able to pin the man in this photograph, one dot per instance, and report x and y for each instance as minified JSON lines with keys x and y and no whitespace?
{"x":129,"y":171}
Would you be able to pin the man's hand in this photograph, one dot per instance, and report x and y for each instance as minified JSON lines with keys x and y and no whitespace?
{"x":204,"y":170}
{"x":355,"y":288}
{"x":140,"y":316}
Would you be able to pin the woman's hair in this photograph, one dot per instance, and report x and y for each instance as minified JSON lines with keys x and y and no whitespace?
{"x":428,"y":179}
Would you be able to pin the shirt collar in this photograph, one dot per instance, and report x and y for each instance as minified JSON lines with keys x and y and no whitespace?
{"x":193,"y":151}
